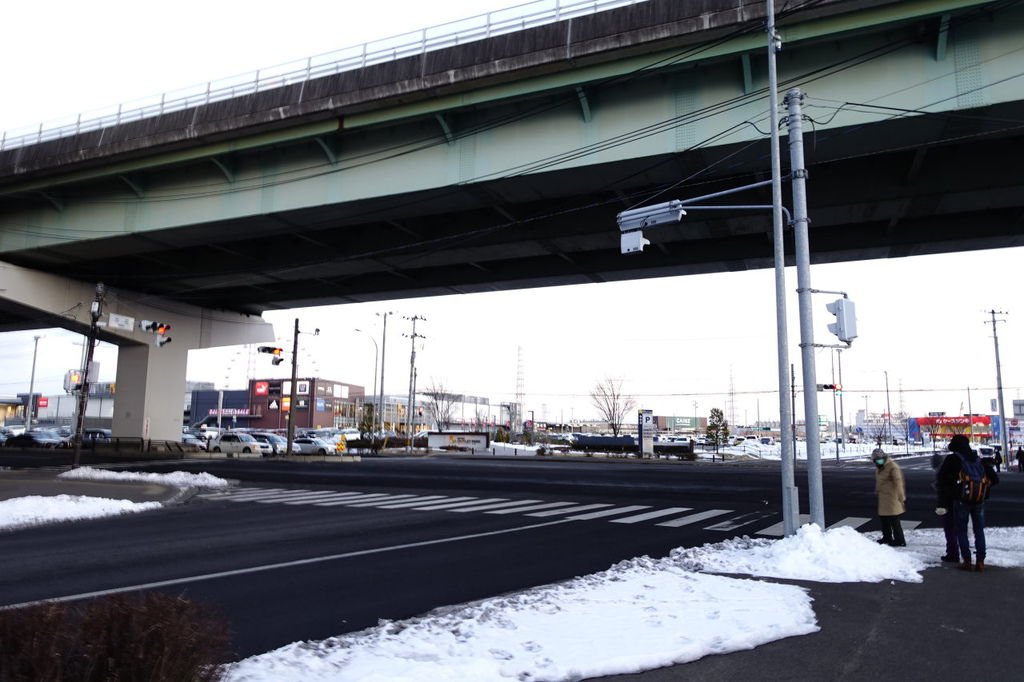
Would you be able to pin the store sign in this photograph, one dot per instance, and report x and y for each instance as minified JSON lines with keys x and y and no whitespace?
{"x":261,"y":388}
{"x":43,"y":401}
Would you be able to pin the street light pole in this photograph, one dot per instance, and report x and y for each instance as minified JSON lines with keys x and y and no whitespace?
{"x":999,"y":390}
{"x":376,"y":355}
{"x":383,"y":348}
{"x":32,"y":385}
{"x":95,"y":311}
{"x":888,"y":409}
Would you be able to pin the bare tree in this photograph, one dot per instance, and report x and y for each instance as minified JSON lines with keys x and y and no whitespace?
{"x":611,"y":403}
{"x":441,"y":404}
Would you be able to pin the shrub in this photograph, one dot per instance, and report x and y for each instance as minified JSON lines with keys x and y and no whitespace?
{"x":151,"y":636}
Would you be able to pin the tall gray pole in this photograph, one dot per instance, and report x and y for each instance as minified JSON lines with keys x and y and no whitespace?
{"x":842,"y":417}
{"x":412,"y":381}
{"x":95,"y":311}
{"x":790,"y":494}
{"x":794,"y":99}
{"x":835,"y":412}
{"x":999,"y":392}
{"x":888,"y":410}
{"x":291,"y":398}
{"x":383,"y":347}
{"x":32,"y":385}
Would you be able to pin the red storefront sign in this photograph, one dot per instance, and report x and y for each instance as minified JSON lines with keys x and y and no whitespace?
{"x":261,"y":388}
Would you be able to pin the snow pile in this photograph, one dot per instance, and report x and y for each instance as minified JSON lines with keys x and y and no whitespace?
{"x":28,"y":511}
{"x":836,"y":556}
{"x":638,"y":615}
{"x":1004,"y":547}
{"x":178,"y":479}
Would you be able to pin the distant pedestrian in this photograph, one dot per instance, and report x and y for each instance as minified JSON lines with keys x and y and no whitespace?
{"x":1020,"y":458}
{"x":971,"y":478}
{"x":999,"y":461}
{"x":892,"y":496}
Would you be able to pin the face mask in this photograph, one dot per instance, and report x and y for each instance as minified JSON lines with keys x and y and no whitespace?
{"x":880,"y":462}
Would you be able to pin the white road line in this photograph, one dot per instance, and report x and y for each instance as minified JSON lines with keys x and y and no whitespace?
{"x":418,"y":500}
{"x":497,"y":505}
{"x":569,"y":510}
{"x":352,"y":500}
{"x":383,"y":500}
{"x":452,"y":505}
{"x":246,"y":492}
{"x":260,"y":495}
{"x":300,"y":499}
{"x":609,"y":512}
{"x":694,"y":518}
{"x":283,"y":564}
{"x":652,"y":515}
{"x":517,"y":510}
{"x":324,"y":497}
{"x":850,"y":522}
{"x":777,"y":529}
{"x":738,"y":521}
{"x":909,"y":525}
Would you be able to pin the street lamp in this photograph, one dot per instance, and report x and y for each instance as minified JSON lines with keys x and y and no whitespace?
{"x":376,"y":354}
{"x":32,"y":386}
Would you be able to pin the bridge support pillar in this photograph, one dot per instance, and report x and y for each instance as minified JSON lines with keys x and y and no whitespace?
{"x":150,"y":391}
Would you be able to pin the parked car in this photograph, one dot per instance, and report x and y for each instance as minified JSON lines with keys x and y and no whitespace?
{"x":277,"y":443}
{"x":193,"y":440}
{"x":36,"y":438}
{"x":306,"y":445}
{"x":235,"y":443}
{"x":97,"y":435}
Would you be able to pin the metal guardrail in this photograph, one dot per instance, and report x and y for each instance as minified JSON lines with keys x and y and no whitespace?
{"x":452,"y":33}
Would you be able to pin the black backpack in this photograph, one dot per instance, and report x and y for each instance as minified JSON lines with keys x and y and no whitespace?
{"x":972,"y":483}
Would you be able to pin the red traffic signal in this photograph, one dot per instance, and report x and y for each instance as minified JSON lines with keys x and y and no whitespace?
{"x":159,"y":329}
{"x":275,"y":351}
{"x":830,"y":387}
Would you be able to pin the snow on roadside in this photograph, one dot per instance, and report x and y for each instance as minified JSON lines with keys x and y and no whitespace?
{"x":178,"y":479}
{"x":32,"y":510}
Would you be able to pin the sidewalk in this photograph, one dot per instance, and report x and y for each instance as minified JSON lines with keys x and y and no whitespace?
{"x":954,"y":625}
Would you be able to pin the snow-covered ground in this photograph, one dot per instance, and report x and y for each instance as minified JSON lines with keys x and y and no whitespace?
{"x":675,"y":609}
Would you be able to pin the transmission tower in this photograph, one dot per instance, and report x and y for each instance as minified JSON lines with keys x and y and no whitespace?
{"x":731,"y":406}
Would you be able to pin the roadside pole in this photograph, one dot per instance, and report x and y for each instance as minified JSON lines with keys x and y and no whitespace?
{"x":83,"y":392}
{"x":801,"y":221}
{"x":790,"y":494}
{"x":291,"y":397}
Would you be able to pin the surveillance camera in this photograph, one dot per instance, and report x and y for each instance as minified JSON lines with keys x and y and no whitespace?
{"x":648,"y":216}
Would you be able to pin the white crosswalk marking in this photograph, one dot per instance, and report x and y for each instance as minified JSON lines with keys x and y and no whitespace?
{"x":569,"y":510}
{"x":850,"y":522}
{"x":777,"y":530}
{"x":694,"y":518}
{"x":383,"y":500}
{"x":419,"y":500}
{"x":303,"y":498}
{"x":652,"y":515}
{"x":533,"y":507}
{"x":326,"y":497}
{"x":452,"y":505}
{"x":246,"y":497}
{"x":496,"y":505}
{"x":738,"y":521}
{"x":909,"y":525}
{"x":353,"y":500}
{"x":615,"y":511}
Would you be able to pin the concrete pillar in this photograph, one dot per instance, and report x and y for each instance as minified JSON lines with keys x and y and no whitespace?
{"x":150,"y":391}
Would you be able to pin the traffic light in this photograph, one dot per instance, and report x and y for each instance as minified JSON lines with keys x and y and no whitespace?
{"x":830,"y":387}
{"x":845,"y":326}
{"x":159,"y":331}
{"x":275,"y":351}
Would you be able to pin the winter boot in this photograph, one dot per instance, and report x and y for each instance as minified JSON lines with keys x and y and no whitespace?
{"x":966,"y":565}
{"x":980,"y":565}
{"x":950,"y":558}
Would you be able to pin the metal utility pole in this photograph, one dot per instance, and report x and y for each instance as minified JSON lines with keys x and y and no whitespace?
{"x":412,"y":378}
{"x":835,"y":415}
{"x":999,"y":389}
{"x":888,"y":410}
{"x":790,"y":494}
{"x":291,"y":397}
{"x":383,"y":347}
{"x":32,"y":385}
{"x":376,"y":356}
{"x":83,"y":392}
{"x":842,"y":417}
{"x":801,"y":221}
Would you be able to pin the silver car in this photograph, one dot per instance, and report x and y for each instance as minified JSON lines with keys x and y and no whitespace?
{"x":311,"y":446}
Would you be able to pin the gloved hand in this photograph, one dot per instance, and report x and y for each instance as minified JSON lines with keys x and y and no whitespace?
{"x":941,"y":511}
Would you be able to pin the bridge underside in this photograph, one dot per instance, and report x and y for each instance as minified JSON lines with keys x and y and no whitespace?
{"x":876,"y":191}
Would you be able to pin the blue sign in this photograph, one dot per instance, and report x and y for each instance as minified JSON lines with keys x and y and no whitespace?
{"x":319,"y":404}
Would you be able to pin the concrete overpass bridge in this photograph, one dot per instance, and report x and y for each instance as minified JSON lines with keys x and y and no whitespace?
{"x":501,"y":163}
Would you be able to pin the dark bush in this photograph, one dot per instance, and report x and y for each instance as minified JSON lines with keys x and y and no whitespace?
{"x":128,"y":638}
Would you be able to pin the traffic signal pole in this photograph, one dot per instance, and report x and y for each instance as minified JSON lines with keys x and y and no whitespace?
{"x":291,"y":398}
{"x":798,"y":172}
{"x":83,"y":392}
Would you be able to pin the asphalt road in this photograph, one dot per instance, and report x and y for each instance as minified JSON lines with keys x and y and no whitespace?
{"x":288,"y":555}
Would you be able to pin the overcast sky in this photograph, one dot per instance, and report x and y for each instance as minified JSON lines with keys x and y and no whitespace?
{"x":672,"y":341}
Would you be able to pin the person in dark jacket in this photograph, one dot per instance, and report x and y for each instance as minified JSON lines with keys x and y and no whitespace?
{"x":1020,"y":458}
{"x":946,"y":495}
{"x":966,"y":511}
